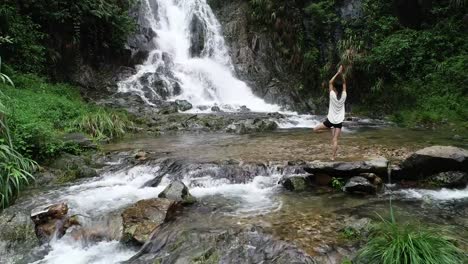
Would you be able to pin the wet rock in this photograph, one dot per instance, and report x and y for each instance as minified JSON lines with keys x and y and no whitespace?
{"x":450,"y":179}
{"x":359,"y":185}
{"x":51,"y":221}
{"x":172,"y":245}
{"x":244,"y":109}
{"x":183,"y":105}
{"x":80,"y":140}
{"x":432,"y":160}
{"x":215,"y":109}
{"x":17,"y":236}
{"x":348,"y":169}
{"x":297,"y":183}
{"x":141,"y":155}
{"x":373,"y":178}
{"x":141,"y":219}
{"x":169,"y":109}
{"x":72,"y":167}
{"x":251,"y":125}
{"x":197,"y":36}
{"x":177,"y":191}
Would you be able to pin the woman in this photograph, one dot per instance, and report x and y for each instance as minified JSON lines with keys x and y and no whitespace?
{"x":336,"y":110}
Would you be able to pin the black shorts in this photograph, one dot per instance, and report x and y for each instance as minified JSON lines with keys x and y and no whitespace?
{"x":329,"y":124}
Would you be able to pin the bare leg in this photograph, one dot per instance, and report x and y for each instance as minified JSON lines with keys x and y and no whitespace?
{"x":319,"y":128}
{"x":336,"y":136}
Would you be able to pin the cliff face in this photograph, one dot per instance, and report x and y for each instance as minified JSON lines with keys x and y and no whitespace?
{"x":270,"y":57}
{"x":256,"y":58}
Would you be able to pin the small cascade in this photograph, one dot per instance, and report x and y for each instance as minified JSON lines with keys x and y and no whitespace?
{"x":188,"y":59}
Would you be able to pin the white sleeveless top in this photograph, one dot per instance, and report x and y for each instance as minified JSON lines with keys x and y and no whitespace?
{"x":336,"y":109}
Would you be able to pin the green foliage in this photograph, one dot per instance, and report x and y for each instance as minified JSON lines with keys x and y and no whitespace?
{"x":15,"y":173}
{"x":41,"y":113}
{"x":24,"y":49}
{"x":15,"y":169}
{"x":415,"y":74}
{"x":102,"y":124}
{"x":337,"y":183}
{"x":56,"y":31}
{"x":391,"y":242}
{"x":350,"y":233}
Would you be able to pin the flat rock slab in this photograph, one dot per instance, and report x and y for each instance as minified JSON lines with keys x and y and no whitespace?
{"x":432,"y":160}
{"x":348,"y":169}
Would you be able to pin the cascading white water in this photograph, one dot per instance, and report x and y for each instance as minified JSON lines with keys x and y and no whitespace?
{"x":205,"y":78}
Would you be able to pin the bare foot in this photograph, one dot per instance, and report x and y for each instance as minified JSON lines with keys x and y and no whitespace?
{"x":332,"y":158}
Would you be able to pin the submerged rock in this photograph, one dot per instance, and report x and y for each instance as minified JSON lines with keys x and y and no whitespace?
{"x":359,"y":185}
{"x":432,"y":160}
{"x":297,"y":183}
{"x":141,"y":219}
{"x":177,"y":191}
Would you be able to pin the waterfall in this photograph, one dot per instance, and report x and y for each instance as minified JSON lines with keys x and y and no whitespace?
{"x":188,"y":59}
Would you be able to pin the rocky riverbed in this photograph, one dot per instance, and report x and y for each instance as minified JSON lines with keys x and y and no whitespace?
{"x":205,"y":197}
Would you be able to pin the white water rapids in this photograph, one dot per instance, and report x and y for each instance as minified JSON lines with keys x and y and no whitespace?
{"x":205,"y":79}
{"x":116,"y":190}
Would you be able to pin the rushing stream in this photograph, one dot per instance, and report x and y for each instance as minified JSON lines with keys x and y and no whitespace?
{"x":189,"y":60}
{"x":310,"y":221}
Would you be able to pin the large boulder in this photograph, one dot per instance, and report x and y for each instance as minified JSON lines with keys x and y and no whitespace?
{"x":73,"y":167}
{"x":177,"y":191}
{"x":297,"y":183}
{"x":360,"y":185}
{"x":348,"y":169}
{"x":17,"y":237}
{"x":52,"y":220}
{"x":141,"y":219}
{"x":432,"y":160}
{"x":80,"y":140}
{"x":183,"y":105}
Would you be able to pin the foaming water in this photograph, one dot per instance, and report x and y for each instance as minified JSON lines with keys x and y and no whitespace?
{"x":94,"y":199}
{"x":252,"y":198}
{"x":67,"y":250}
{"x":442,"y":194}
{"x":112,"y":191}
{"x":204,"y":79}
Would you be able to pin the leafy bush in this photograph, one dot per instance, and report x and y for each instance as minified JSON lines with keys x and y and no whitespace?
{"x":390,"y":242}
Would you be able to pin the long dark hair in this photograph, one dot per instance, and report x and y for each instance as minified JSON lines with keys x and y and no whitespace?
{"x":338,"y":84}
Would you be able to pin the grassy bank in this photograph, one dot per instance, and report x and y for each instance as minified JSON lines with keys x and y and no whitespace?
{"x":41,"y":113}
{"x":36,"y":116}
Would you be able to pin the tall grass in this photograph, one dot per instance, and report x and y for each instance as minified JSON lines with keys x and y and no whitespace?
{"x":103,"y":124}
{"x":393,"y":243}
{"x":15,"y":173}
{"x":15,"y":169}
